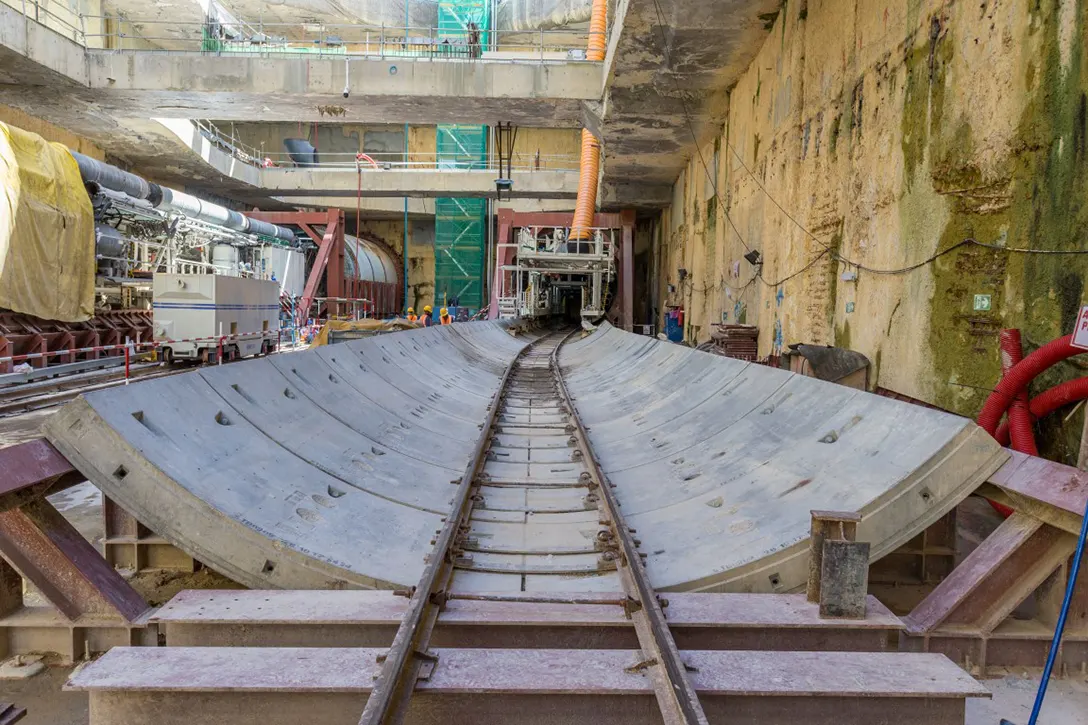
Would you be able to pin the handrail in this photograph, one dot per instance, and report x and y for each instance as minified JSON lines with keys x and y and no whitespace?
{"x":382,"y":161}
{"x":351,"y":40}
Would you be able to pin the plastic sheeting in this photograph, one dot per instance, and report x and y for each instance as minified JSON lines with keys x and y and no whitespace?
{"x":47,"y":262}
{"x":536,"y":14}
{"x":373,"y":326}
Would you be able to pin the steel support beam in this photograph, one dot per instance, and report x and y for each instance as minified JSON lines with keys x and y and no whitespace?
{"x":32,"y":469}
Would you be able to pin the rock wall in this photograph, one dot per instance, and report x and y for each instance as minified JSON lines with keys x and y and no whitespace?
{"x":868,"y":138}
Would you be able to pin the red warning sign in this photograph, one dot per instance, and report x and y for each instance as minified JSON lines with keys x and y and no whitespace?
{"x":1080,"y":334}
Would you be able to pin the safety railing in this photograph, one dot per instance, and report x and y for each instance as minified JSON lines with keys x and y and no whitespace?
{"x":69,"y":24}
{"x":123,"y":33}
{"x":228,"y":141}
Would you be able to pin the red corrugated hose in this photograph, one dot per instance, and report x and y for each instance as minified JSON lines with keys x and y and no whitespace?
{"x":1014,"y":382}
{"x":1020,"y":422}
{"x":1019,"y":377}
{"x":1046,"y":403}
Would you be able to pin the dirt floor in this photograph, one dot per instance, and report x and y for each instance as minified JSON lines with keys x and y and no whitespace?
{"x":1066,"y":702}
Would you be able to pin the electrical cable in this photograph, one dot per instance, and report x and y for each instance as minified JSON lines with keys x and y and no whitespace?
{"x":826,"y":248}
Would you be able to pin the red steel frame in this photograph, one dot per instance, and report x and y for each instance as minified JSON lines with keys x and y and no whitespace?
{"x":329,"y":264}
{"x":624,"y":220}
{"x":57,"y":341}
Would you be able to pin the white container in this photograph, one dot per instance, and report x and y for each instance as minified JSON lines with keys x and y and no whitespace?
{"x":225,"y":259}
{"x":288,"y":265}
{"x":193,"y":311}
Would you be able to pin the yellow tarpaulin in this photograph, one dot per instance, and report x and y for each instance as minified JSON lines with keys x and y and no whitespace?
{"x":398,"y":323}
{"x":47,"y":262}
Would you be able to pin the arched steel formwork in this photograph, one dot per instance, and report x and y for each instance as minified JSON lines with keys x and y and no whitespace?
{"x":332,"y":467}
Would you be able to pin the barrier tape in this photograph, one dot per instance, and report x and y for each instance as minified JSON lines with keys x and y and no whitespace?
{"x":132,"y":346}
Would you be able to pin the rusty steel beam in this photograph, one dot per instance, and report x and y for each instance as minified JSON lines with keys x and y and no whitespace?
{"x":282,"y":618}
{"x":281,"y":686}
{"x":1050,"y":491}
{"x":10,"y":713}
{"x":675,"y":694}
{"x":32,"y":469}
{"x":1021,"y":567}
{"x":47,"y":551}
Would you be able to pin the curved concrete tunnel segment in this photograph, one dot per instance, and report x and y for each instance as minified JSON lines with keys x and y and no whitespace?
{"x":332,"y":467}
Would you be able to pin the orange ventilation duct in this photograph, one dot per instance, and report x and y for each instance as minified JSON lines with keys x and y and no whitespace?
{"x":597,"y":30}
{"x":586,"y":204}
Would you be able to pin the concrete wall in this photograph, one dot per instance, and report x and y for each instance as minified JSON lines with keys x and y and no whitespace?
{"x":557,"y":147}
{"x":334,"y":141}
{"x":894,"y":130}
{"x":100,"y":27}
{"x":420,"y":253}
{"x":49,"y":132}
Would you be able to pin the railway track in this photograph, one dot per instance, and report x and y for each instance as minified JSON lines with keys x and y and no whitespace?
{"x":532,"y":511}
{"x":28,"y":397}
{"x":21,"y":398}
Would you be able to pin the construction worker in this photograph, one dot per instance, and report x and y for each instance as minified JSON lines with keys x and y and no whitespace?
{"x":426,"y":318}
{"x":412,"y":317}
{"x":445,"y":317}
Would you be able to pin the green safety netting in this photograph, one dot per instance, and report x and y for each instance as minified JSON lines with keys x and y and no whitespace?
{"x":460,"y":224}
{"x":458,"y":19}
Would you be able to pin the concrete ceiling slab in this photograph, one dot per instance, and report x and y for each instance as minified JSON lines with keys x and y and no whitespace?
{"x":670,"y":70}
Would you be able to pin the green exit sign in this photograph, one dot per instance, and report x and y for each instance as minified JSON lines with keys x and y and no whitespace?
{"x":982,"y":303}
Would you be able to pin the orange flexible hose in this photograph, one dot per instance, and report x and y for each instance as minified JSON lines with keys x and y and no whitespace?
{"x":586,"y":204}
{"x":597,"y":29}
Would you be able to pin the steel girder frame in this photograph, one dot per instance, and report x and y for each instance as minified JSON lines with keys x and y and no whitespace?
{"x":329,"y":264}
{"x":623,"y":307}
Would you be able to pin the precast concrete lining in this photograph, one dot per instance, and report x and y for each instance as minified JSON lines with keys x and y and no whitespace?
{"x":332,"y":467}
{"x":718,"y":462}
{"x":326,"y":468}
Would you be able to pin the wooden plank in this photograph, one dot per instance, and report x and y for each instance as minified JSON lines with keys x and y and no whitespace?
{"x":558,"y":672}
{"x":358,"y":607}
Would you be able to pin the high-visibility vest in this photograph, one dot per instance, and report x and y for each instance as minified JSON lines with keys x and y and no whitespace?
{"x":425,"y":319}
{"x":446,"y":320}
{"x":412,"y":318}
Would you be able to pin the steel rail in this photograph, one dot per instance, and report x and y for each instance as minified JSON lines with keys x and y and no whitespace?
{"x":387,"y":704}
{"x":676,"y":697}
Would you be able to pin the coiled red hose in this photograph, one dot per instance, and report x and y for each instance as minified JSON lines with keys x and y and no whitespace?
{"x":1046,"y":403}
{"x":1020,"y":422}
{"x":1018,"y":378}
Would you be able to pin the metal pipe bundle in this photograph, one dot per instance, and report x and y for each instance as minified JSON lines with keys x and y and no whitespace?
{"x":110,"y":177}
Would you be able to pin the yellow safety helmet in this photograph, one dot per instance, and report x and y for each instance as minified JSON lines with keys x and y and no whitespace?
{"x":411,"y":310}
{"x":426,"y":308}
{"x":444,"y":311}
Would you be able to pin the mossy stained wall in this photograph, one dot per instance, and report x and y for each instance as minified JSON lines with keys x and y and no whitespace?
{"x":890,"y":131}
